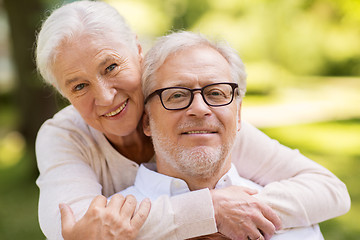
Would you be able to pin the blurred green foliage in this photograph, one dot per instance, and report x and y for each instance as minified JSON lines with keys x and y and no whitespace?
{"x":335,"y":145}
{"x":303,"y":63}
{"x":302,"y":37}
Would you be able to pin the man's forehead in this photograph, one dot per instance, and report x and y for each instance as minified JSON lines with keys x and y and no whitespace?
{"x":190,"y":52}
{"x":194,"y":66}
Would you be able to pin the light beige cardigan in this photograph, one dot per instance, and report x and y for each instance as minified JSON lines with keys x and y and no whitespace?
{"x":77,"y":163}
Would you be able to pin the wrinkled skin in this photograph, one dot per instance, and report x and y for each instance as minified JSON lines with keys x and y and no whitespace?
{"x":241,"y":216}
{"x":117,"y":219}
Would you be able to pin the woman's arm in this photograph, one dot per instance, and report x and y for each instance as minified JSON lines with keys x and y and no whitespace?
{"x":64,"y":178}
{"x":299,"y":190}
{"x":68,"y":176}
{"x":118,"y":219}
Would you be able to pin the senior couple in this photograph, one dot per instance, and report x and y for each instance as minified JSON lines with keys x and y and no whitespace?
{"x":211,"y":176}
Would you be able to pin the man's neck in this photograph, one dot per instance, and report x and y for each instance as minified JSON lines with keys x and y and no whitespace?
{"x":198,"y":181}
{"x":135,"y":146}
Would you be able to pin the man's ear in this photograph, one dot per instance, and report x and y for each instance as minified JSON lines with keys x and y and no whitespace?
{"x":146,"y":124}
{"x":239,"y":117}
{"x":140,"y":50}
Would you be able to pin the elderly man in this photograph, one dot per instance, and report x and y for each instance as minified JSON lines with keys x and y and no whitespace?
{"x":193,"y":116}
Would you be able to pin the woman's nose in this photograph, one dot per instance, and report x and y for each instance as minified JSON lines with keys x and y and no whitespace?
{"x":105,"y":94}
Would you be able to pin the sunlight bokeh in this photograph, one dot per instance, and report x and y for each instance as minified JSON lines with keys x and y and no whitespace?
{"x":12,"y":149}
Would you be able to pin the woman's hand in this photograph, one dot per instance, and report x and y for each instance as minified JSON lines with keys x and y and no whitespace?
{"x":214,"y":236}
{"x":114,"y":220}
{"x":241,"y":216}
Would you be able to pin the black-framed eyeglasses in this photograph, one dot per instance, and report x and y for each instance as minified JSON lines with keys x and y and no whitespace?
{"x":178,"y":98}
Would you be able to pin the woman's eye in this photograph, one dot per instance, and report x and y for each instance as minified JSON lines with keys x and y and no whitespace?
{"x":79,"y":87}
{"x":111,"y":67}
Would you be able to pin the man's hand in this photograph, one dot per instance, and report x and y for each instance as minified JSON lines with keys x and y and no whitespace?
{"x":115,"y":220}
{"x":241,"y":216}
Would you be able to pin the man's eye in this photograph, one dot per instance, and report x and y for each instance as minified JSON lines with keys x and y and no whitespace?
{"x":111,"y":67}
{"x":176,"y":96}
{"x":79,"y":87}
{"x":216,"y":93}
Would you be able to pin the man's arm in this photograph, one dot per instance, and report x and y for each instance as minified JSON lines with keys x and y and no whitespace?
{"x":299,"y":190}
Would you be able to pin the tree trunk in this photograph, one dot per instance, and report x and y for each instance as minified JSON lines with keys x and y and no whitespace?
{"x":34,"y":101}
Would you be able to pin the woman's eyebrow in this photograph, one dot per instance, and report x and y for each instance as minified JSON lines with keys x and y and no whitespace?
{"x":106,"y":60}
{"x":70,"y":81}
{"x":120,"y":60}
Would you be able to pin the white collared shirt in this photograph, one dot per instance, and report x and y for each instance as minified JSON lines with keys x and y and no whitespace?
{"x":151,"y":184}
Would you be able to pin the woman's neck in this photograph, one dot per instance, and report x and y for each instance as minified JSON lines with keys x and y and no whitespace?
{"x":135,"y":146}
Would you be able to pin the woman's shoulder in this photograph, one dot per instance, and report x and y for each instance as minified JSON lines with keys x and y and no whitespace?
{"x":67,"y":117}
{"x":66,"y":121}
{"x":68,"y":113}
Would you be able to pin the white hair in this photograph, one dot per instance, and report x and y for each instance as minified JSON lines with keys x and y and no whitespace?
{"x":72,"y":20}
{"x":178,"y":41}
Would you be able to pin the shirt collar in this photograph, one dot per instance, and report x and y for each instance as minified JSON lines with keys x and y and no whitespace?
{"x":227,"y":179}
{"x":153,"y":184}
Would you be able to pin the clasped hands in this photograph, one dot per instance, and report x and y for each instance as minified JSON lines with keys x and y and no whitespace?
{"x":238,"y":214}
{"x":241,"y":216}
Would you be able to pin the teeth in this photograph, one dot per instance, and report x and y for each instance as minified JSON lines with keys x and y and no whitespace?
{"x":113,"y":113}
{"x":197,"y":132}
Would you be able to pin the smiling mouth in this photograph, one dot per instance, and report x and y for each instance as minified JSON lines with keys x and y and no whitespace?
{"x":198,"y":132}
{"x":117,"y":111}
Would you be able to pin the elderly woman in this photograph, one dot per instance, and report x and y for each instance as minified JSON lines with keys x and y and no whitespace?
{"x":92,"y":149}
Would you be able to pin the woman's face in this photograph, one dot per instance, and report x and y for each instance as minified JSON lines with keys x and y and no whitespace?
{"x":100,"y":76}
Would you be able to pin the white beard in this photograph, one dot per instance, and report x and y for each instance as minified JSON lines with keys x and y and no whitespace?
{"x":200,"y":162}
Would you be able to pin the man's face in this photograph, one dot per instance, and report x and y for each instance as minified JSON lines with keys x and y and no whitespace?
{"x":194,"y":141}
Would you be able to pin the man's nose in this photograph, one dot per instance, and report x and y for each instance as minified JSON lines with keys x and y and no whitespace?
{"x":198,"y":107}
{"x":104,"y":94}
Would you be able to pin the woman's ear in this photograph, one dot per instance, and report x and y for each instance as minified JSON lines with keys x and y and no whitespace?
{"x":146,"y":124}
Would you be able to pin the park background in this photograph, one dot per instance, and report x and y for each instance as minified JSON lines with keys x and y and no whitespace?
{"x":303,"y":64}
